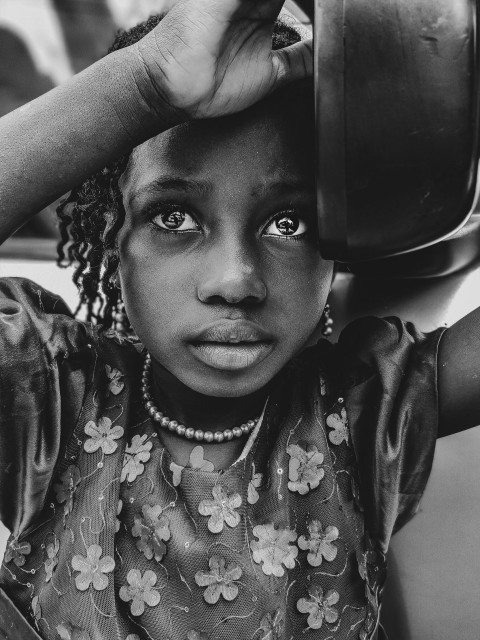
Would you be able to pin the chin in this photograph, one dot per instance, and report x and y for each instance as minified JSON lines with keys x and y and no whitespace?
{"x":226,"y":385}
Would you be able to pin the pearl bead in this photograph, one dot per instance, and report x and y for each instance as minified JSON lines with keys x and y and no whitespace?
{"x":180,"y":429}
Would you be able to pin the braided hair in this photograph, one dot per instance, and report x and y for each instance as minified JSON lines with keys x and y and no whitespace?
{"x":92,"y":214}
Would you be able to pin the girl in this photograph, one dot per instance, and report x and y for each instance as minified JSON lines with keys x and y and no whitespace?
{"x":214,"y":478}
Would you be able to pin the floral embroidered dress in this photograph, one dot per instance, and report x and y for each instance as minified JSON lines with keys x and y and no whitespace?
{"x":111,"y":540}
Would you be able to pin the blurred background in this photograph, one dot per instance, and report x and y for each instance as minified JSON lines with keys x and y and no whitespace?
{"x":434,"y":585}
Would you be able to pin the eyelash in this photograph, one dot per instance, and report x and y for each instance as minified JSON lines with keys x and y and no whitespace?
{"x":171,"y":208}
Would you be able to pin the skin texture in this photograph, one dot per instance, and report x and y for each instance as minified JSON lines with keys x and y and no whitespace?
{"x":232,"y":266}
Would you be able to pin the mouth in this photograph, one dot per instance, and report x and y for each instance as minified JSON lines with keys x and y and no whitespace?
{"x":232,"y":345}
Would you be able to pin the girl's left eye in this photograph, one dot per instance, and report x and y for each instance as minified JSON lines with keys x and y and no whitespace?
{"x":286,"y":224}
{"x":175,"y":219}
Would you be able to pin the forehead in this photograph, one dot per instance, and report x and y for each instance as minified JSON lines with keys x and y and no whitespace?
{"x":267,"y":142}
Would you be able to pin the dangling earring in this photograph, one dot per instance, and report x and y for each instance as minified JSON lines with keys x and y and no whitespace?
{"x":327,"y":321}
{"x":120,"y":320}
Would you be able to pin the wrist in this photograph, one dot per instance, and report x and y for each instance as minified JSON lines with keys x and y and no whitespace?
{"x":140,"y":108}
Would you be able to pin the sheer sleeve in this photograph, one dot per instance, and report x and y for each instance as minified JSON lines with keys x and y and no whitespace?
{"x":389,"y":372}
{"x":42,"y":386}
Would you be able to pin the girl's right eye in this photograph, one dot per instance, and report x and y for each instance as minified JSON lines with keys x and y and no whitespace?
{"x":174,"y":219}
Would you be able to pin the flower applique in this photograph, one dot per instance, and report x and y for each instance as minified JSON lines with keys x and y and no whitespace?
{"x":323,"y":387}
{"x":197,"y":635}
{"x":36,"y":610}
{"x":153,"y":529}
{"x":135,"y":455}
{"x":274,"y":549}
{"x":253,"y":485}
{"x":120,"y":338}
{"x":319,"y":543}
{"x":197,"y":461}
{"x":17,"y":551}
{"x":371,"y":564}
{"x":139,"y":591}
{"x":117,"y":519}
{"x":220,"y":580}
{"x":92,"y":569}
{"x":221,"y":509}
{"x":52,"y":559}
{"x":67,"y":631}
{"x":319,"y":607}
{"x":65,"y":489}
{"x":102,"y":436}
{"x":272,"y":626}
{"x":176,"y":470}
{"x":339,"y":424}
{"x":115,"y":382}
{"x":132,"y":636}
{"x":304,"y":468}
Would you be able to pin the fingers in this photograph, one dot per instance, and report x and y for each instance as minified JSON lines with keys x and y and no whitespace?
{"x":293,"y":63}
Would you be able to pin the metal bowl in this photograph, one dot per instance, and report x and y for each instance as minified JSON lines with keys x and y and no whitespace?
{"x":397,"y":95}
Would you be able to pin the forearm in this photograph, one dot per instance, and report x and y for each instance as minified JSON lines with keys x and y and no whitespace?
{"x":55,"y":142}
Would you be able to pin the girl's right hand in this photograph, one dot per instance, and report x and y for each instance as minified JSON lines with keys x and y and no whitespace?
{"x":209,"y":58}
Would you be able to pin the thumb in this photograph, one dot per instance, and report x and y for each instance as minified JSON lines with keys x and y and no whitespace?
{"x":293,"y":63}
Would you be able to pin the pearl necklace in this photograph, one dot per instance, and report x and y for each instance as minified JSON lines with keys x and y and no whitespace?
{"x":180,"y":429}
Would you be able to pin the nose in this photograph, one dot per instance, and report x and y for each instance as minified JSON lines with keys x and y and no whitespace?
{"x":231,"y":274}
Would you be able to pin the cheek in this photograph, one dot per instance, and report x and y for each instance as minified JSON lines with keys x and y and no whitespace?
{"x":301,"y":284}
{"x":155,"y":285}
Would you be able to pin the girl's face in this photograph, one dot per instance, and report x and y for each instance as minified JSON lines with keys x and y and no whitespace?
{"x":219,"y":266}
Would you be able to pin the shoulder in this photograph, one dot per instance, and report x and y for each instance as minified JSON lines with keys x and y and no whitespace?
{"x":385,"y":347}
{"x":388,"y":369}
{"x":33,"y":318}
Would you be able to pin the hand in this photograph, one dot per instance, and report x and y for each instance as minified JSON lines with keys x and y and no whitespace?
{"x":209,"y":58}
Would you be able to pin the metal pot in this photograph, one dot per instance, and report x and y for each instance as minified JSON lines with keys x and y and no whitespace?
{"x":397,"y":92}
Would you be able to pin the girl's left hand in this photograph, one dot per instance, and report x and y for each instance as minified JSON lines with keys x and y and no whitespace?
{"x":209,"y":58}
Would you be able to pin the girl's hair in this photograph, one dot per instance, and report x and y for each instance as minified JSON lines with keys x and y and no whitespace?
{"x":93,"y":213}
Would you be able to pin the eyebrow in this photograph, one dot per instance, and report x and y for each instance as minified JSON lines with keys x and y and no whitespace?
{"x":287,"y":184}
{"x":283,"y":186}
{"x":173,"y":183}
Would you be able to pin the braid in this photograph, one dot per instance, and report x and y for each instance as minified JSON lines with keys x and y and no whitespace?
{"x":90,"y":218}
{"x":92,"y":214}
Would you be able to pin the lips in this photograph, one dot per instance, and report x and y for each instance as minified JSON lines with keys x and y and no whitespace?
{"x":232,"y":345}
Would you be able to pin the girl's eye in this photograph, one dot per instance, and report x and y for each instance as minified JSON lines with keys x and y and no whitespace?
{"x":287,"y":224}
{"x":175,"y":219}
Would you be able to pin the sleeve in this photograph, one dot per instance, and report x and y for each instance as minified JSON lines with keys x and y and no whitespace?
{"x":392,"y":405}
{"x":41,"y":388}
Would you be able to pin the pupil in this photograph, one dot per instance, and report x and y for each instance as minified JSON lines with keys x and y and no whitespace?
{"x":173,"y":220}
{"x":287,"y":226}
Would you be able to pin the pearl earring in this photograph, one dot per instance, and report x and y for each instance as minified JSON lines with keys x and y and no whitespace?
{"x":327,"y":321}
